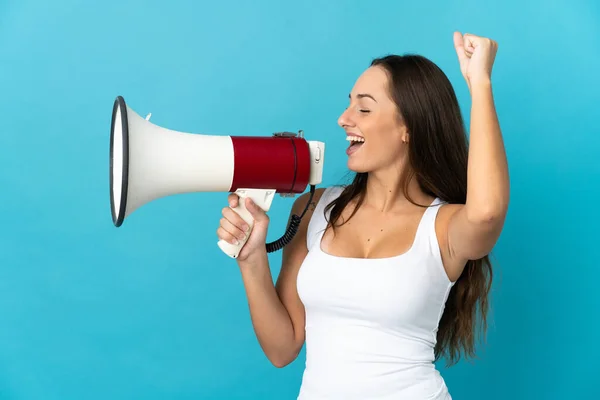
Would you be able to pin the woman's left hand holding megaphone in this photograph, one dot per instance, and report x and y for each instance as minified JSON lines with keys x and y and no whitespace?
{"x":234,"y":230}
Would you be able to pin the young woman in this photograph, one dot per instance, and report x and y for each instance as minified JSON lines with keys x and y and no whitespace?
{"x":386,"y":275}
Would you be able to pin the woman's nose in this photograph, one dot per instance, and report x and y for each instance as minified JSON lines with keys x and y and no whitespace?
{"x":344,"y":119}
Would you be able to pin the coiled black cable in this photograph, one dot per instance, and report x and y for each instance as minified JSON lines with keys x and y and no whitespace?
{"x":292,"y":228}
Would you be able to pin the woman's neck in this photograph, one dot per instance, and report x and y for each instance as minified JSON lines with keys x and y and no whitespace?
{"x":385,"y":191}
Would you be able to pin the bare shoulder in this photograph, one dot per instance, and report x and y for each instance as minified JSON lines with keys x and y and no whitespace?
{"x":453,"y":266}
{"x":302,"y":201}
{"x":297,"y":249}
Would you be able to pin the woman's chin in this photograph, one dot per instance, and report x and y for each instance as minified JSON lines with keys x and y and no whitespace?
{"x":356,"y":166}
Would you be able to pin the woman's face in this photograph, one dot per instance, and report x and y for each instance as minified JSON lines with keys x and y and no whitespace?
{"x":378,"y":139}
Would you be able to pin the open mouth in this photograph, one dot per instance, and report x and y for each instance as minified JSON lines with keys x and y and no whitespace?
{"x":355,"y":141}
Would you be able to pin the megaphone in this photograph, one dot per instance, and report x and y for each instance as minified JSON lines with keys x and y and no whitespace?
{"x":148,"y":162}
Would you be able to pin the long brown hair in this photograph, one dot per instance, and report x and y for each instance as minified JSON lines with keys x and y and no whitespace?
{"x":437,"y":155}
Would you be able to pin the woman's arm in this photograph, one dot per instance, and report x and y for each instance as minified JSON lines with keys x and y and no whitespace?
{"x":276,"y":310}
{"x":473,"y":228}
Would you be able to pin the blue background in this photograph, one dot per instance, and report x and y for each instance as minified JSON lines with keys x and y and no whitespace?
{"x":154,"y":310}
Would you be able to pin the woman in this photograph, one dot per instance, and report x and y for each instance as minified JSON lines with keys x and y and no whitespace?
{"x":386,"y":275}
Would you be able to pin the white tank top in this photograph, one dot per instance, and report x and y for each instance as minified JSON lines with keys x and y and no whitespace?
{"x":371,"y":324}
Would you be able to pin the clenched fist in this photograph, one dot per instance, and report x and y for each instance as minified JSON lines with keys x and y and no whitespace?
{"x":476,"y":56}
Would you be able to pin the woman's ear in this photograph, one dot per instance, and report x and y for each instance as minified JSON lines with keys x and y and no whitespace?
{"x":405,"y":136}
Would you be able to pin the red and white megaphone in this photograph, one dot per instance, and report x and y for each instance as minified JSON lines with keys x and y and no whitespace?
{"x":148,"y":162}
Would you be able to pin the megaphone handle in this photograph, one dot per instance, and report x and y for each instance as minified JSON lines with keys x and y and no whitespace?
{"x":262,"y":198}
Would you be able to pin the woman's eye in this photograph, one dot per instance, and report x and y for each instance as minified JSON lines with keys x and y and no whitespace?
{"x":364,"y":111}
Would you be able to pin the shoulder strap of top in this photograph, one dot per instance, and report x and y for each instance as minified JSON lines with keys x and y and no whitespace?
{"x":318,"y":221}
{"x":426,"y":239}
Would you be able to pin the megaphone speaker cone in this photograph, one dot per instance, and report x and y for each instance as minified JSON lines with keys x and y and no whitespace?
{"x":119,"y":154}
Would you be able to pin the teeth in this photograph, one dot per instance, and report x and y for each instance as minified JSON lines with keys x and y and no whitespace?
{"x":355,"y":139}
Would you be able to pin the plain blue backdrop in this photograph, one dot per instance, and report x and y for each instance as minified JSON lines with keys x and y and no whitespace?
{"x":154,"y":310}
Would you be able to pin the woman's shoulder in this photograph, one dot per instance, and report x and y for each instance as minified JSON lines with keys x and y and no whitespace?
{"x":328,"y":191}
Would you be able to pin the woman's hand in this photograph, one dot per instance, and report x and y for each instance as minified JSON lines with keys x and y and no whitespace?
{"x":476,"y":56}
{"x":232,"y":228}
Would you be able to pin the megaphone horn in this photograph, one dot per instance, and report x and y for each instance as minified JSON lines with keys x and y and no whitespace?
{"x":148,"y":162}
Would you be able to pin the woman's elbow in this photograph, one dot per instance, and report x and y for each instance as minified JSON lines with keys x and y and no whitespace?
{"x":283,"y":360}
